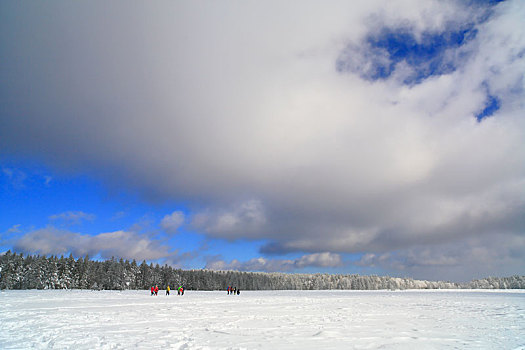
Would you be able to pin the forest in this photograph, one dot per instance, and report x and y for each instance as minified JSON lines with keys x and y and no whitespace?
{"x":41,"y":272}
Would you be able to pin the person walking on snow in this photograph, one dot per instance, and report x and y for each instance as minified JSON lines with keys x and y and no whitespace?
{"x":156,"y":290}
{"x":152,"y":290}
{"x":168,"y":290}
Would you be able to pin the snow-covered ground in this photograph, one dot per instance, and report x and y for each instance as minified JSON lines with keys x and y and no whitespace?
{"x":263,"y":320}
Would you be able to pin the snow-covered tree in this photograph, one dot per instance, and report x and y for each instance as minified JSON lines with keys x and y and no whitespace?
{"x":41,"y":272}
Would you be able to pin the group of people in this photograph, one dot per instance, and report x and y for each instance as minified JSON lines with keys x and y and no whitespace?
{"x":180,"y":291}
{"x":233,"y":290}
{"x":155,"y":290}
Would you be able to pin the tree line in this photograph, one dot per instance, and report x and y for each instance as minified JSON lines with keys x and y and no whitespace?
{"x":41,"y":272}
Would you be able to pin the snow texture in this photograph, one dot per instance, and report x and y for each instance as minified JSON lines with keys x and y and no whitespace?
{"x":263,"y":320}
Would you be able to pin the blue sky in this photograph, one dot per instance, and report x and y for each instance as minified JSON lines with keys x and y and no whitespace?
{"x":37,"y":197}
{"x":40,"y":199}
{"x":377,"y":138}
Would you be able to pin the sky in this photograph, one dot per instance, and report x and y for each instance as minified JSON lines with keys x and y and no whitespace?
{"x":369,"y":137}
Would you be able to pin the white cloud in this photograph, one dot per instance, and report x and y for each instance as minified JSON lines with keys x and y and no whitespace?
{"x":122,"y":244}
{"x":15,"y":177}
{"x":324,"y":259}
{"x":14,"y":229}
{"x":47,"y":180}
{"x":171,"y":223}
{"x":461,"y":260}
{"x":255,"y":264}
{"x":72,"y":217}
{"x":257,"y":131}
{"x":240,"y":221}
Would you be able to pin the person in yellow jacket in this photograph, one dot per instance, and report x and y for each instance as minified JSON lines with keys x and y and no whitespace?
{"x":168,"y":290}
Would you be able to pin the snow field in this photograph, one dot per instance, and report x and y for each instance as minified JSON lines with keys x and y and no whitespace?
{"x":61,"y":319}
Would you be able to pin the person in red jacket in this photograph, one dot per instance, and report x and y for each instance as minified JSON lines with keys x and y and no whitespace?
{"x":152,"y":290}
{"x":156,"y":290}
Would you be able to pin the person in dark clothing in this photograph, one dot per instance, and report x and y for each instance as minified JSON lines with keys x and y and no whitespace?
{"x":238,"y":292}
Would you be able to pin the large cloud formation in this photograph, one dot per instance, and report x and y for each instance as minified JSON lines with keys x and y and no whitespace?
{"x":383,"y":128}
{"x":120,"y":244}
{"x":324,"y":259}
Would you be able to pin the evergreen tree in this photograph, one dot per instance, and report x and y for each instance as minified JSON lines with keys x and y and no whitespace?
{"x":40,"y":272}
